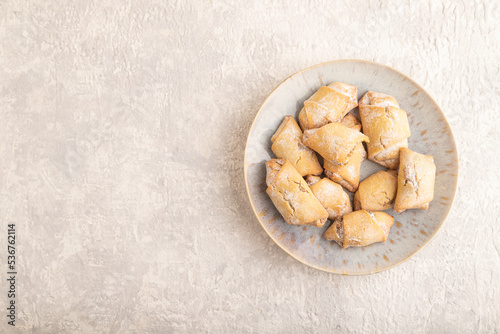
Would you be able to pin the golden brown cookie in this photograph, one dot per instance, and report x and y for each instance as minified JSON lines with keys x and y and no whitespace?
{"x":377,"y":192}
{"x":329,"y":104}
{"x":387,"y":127}
{"x":331,"y":195}
{"x":287,"y":144}
{"x":416,"y":177}
{"x":292,"y":196}
{"x":360,"y":228}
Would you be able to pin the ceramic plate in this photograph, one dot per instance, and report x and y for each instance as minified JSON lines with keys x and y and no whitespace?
{"x":431,"y":135}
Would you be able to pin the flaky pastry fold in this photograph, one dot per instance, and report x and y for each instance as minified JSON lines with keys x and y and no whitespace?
{"x":328,"y":104}
{"x":387,"y":127}
{"x":416,"y":178}
{"x":360,"y":228}
{"x":287,"y":144}
{"x":292,"y":196}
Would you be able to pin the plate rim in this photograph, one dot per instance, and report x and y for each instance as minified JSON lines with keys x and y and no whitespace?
{"x":344,"y":272}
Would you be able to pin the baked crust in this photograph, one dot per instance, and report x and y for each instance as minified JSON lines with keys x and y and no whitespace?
{"x":334,"y":141}
{"x":377,"y":192}
{"x":331,"y":195}
{"x":328,"y":104}
{"x":351,"y":121}
{"x":360,"y":228}
{"x":417,"y":173}
{"x":387,"y":127}
{"x":287,"y":144}
{"x":347,"y":174}
{"x":292,"y":196}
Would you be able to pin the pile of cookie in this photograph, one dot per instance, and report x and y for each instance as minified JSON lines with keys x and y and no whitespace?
{"x":307,"y":192}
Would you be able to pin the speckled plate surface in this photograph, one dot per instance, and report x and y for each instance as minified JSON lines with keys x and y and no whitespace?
{"x":431,"y":134}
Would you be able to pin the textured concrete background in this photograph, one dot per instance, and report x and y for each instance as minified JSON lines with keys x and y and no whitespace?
{"x":122,"y":130}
